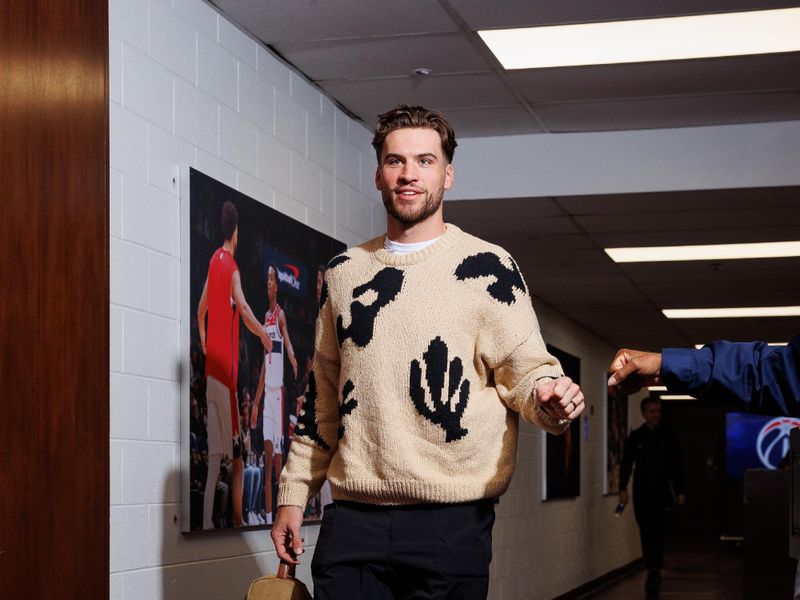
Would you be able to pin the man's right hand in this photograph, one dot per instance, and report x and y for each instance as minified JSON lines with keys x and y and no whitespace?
{"x":631,"y":370}
{"x":623,"y":497}
{"x":286,"y":534}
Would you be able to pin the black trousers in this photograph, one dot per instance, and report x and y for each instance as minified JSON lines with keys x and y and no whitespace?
{"x":420,"y":552}
{"x":651,"y":511}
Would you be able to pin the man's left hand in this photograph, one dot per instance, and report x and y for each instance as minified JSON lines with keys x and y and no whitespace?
{"x":560,"y":398}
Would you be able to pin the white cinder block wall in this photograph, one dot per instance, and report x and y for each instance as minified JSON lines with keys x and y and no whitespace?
{"x":545,"y":549}
{"x":188,"y":87}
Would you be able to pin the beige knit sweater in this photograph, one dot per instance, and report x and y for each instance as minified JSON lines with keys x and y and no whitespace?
{"x":423,"y":363}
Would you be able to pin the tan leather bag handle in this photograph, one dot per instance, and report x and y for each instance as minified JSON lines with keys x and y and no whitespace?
{"x":286,"y":571}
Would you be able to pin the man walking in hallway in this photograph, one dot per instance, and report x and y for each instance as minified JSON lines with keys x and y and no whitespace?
{"x":658,"y":484}
{"x":427,"y":353}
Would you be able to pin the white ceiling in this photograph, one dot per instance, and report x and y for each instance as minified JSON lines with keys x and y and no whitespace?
{"x":362,"y":54}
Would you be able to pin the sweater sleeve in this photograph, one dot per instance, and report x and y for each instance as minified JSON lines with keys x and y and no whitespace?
{"x":520,"y":369}
{"x":762,"y":377}
{"x":316,"y":436}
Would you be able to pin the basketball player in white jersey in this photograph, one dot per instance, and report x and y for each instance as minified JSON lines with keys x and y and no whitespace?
{"x":271,"y":383}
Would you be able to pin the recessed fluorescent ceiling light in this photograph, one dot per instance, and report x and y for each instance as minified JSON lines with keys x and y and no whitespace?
{"x":677,"y":397}
{"x":643,"y":40}
{"x":699,"y":346}
{"x":729,"y":313}
{"x":709,"y":252}
{"x":657,"y":388}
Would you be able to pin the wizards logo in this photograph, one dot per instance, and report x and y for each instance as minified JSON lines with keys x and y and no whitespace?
{"x":292,"y":274}
{"x":772,"y":442}
{"x":289,"y":274}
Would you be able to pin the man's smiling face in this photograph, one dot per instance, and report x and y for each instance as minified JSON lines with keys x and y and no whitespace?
{"x":413,"y":175}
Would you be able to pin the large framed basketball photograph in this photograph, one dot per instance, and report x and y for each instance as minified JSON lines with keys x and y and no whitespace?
{"x":251,"y":279}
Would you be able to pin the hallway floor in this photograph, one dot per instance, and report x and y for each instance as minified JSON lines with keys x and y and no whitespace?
{"x":694,"y":569}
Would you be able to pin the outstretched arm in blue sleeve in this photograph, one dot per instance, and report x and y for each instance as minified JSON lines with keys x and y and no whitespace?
{"x":764,"y":378}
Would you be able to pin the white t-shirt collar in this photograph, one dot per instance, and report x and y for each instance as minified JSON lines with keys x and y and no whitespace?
{"x":400,"y":248}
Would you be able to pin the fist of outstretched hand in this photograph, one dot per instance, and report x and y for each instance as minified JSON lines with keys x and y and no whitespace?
{"x":631,"y":370}
{"x":560,"y":398}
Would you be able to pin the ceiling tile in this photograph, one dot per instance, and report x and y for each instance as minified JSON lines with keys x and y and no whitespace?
{"x":689,"y":111}
{"x":493,"y":120}
{"x":637,"y":80}
{"x":491,"y":229}
{"x":374,"y":57}
{"x":277,"y":20}
{"x":659,"y":202}
{"x":502,"y":209}
{"x":719,"y":270}
{"x":547,"y":242}
{"x":368,"y":99}
{"x":594,"y":283}
{"x":641,"y":331}
{"x":703,"y":220}
{"x":666,"y":290}
{"x":620,"y":296}
{"x":739,"y":330}
{"x":720,"y":297}
{"x":565,"y":268}
{"x":621,"y":239}
{"x":538,"y":257}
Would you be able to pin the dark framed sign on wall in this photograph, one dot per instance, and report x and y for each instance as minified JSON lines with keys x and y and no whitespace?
{"x":561,"y":454}
{"x":616,"y":433}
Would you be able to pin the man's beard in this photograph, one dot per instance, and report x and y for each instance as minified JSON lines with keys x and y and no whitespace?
{"x":412,"y":216}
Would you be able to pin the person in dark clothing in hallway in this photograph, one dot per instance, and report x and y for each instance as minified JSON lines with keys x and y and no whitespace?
{"x":658,"y":484}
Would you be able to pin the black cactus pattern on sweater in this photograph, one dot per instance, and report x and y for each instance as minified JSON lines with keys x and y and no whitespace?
{"x":347,"y":405}
{"x":439,"y":410}
{"x":307,"y":421}
{"x":489,"y":264}
{"x":386,"y":283}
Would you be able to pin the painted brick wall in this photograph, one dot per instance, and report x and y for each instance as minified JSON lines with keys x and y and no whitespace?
{"x":188,"y":87}
{"x":545,"y":549}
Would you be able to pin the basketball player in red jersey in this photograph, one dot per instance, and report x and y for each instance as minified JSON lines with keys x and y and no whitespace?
{"x":271,"y":383}
{"x":223,"y":302}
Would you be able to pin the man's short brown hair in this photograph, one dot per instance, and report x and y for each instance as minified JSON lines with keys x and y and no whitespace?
{"x":230,"y":219}
{"x":406,"y":117}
